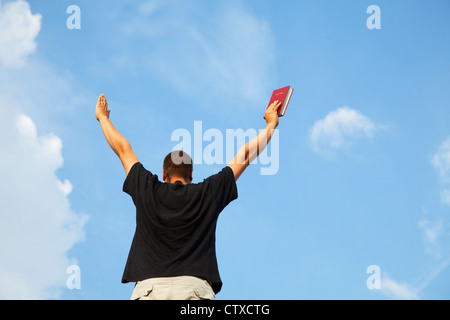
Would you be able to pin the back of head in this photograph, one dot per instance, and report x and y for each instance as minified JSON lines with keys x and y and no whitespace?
{"x":178,"y":164}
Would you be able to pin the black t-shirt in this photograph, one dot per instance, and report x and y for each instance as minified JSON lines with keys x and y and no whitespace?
{"x":176,"y":225}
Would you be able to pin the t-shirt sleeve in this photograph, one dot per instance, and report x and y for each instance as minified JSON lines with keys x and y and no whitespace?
{"x":222,"y":186}
{"x":139,"y":179}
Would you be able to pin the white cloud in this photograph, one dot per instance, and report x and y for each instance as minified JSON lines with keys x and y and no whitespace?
{"x":339,"y":129}
{"x":434,"y":226}
{"x":435,"y":232}
{"x":400,"y":291}
{"x":435,"y":240}
{"x":18,"y":31}
{"x":432,"y":233}
{"x":445,"y":196}
{"x":441,"y":161}
{"x":228,"y":53}
{"x":436,"y":244}
{"x":37,"y":225}
{"x":434,"y":236}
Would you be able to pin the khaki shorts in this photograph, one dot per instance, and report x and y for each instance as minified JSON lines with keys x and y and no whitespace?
{"x":173,"y":288}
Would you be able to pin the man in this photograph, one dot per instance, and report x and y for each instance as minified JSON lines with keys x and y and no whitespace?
{"x":173,"y":253}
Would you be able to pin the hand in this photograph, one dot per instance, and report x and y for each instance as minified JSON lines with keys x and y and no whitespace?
{"x":271,"y":114}
{"x":102,"y":108}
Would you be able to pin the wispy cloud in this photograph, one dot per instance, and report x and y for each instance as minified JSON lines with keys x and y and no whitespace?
{"x":434,"y":232}
{"x":339,"y":129}
{"x":441,"y":162}
{"x":220,"y":53}
{"x":18,"y":31}
{"x":436,"y":246}
{"x":435,"y":235}
{"x":399,"y":291}
{"x":435,"y":229}
{"x":434,"y":225}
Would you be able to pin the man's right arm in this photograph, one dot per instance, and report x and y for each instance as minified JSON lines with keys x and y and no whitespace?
{"x":116,"y":141}
{"x":253,"y":149}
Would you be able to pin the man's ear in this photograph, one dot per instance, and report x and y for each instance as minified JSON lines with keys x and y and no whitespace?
{"x":190,"y":175}
{"x":164,"y":176}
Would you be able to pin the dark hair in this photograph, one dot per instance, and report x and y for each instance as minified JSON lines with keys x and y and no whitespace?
{"x":178,"y":164}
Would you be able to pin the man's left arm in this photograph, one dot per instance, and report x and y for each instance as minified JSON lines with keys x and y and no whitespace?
{"x":252,"y":149}
{"x":117,"y":142}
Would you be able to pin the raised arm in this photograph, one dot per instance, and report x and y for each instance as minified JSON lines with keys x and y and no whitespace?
{"x":252,"y":149}
{"x":117,"y":142}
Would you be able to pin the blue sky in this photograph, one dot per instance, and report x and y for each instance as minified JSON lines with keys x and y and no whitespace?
{"x":364,"y":148}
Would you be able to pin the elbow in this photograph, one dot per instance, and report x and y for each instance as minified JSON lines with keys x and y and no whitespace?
{"x":122,"y":148}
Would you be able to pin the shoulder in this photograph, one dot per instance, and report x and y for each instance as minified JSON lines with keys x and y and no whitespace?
{"x":135,"y":167}
{"x":222,"y":186}
{"x":138,"y":177}
{"x":225,"y":173}
{"x":222,"y":182}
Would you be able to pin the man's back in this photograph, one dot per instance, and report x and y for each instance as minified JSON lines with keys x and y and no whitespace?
{"x":175,"y":225}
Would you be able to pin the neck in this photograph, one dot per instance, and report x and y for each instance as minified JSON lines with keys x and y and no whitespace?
{"x":175,"y":179}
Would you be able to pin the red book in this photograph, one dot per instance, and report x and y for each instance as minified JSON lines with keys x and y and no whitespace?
{"x":283,"y":95}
